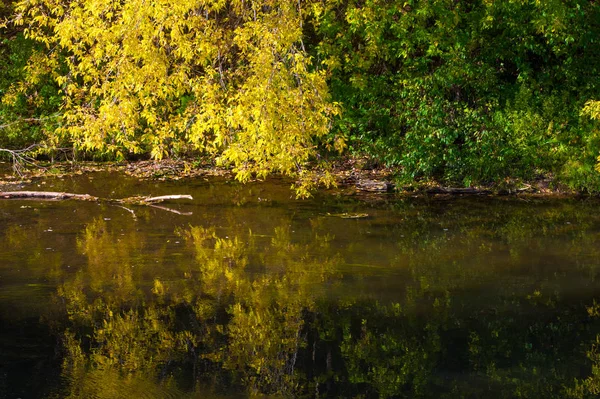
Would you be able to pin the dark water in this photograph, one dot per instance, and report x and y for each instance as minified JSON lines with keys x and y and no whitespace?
{"x":246,"y":291}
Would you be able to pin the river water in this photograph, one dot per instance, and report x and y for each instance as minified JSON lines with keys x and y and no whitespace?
{"x":245,"y":291}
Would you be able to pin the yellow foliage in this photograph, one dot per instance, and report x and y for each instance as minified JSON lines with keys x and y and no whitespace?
{"x":592,"y":109}
{"x":228,"y":77}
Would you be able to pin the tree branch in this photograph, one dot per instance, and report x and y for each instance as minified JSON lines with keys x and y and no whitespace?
{"x":21,"y":157}
{"x":26,"y":120}
{"x":166,"y":197}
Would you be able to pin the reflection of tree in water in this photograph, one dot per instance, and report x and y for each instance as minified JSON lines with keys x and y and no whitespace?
{"x":256,"y":315}
{"x":264,"y":327}
{"x":218,"y":315}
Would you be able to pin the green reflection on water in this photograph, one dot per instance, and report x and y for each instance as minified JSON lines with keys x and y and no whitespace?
{"x":448,"y":299}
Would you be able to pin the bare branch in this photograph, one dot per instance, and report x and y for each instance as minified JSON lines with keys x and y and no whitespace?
{"x":28,"y":120}
{"x":166,"y":197}
{"x":21,"y":157}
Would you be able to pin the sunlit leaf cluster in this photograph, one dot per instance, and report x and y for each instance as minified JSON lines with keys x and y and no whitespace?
{"x":230,"y":78}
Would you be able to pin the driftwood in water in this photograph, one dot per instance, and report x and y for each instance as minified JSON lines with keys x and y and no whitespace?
{"x":49,"y":195}
{"x":53,"y":195}
{"x":166,"y":197}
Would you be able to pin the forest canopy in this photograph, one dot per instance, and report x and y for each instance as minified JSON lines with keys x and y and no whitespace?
{"x":465,"y":92}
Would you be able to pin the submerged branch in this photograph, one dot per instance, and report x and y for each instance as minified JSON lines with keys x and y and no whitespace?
{"x":164,"y":208}
{"x":128,"y":210}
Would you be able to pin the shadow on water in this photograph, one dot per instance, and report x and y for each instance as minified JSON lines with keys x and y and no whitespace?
{"x":248,"y":292}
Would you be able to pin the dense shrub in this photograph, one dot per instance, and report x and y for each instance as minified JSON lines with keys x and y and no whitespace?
{"x":464,"y":92}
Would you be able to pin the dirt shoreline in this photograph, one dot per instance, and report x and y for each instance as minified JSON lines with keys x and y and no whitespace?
{"x":352,"y":176}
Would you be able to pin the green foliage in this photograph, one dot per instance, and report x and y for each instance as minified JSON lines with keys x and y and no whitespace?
{"x":592,"y":109}
{"x":26,"y":110}
{"x":463,"y":91}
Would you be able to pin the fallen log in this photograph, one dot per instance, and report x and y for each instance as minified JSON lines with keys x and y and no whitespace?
{"x":86,"y":197}
{"x":53,"y":195}
{"x":48,"y":195}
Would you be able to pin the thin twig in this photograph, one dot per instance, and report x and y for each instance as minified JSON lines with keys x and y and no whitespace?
{"x":25,"y":120}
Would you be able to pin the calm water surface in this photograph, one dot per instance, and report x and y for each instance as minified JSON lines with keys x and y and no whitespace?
{"x":245,"y":291}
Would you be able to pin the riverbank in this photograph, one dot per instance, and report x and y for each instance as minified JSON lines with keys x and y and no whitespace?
{"x":352,"y":176}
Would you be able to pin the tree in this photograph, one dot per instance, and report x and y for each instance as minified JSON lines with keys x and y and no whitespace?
{"x":465,"y":91}
{"x":231,"y":78}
